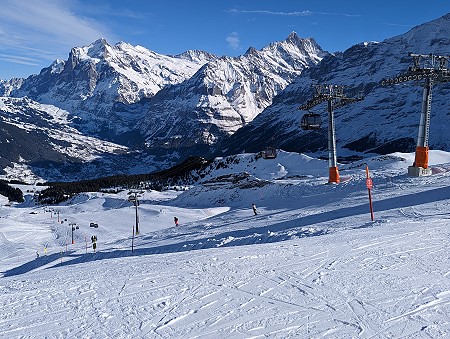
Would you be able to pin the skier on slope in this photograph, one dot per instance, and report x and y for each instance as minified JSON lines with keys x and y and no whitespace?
{"x":254,"y":209}
{"x":175,"y":220}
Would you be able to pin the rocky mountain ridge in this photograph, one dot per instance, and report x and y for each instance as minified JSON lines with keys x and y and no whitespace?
{"x":166,"y":107}
{"x":225,"y":94}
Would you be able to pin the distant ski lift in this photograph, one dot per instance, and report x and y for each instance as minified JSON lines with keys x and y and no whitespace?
{"x":269,"y":153}
{"x":311,"y":121}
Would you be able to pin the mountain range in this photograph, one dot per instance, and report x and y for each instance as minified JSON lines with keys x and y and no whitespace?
{"x":385,"y":121}
{"x":125,"y":109}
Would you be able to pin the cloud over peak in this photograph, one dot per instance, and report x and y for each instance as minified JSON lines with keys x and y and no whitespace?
{"x":53,"y":25}
{"x":234,"y":40}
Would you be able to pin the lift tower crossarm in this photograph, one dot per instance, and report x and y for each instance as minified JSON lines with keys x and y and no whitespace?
{"x":329,"y":92}
{"x":432,"y":69}
{"x":316,"y":100}
{"x":335,"y":97}
{"x":423,"y":66}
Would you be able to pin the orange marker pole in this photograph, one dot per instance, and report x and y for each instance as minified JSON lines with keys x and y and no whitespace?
{"x":369,"y":185}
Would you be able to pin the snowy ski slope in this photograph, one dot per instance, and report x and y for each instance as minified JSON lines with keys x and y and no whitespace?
{"x":311,"y":264}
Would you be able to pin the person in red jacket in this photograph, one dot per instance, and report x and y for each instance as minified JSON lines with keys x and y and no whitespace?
{"x":175,"y":220}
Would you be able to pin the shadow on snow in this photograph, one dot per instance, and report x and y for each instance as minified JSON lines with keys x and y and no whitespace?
{"x":286,"y":230}
{"x":31,"y":265}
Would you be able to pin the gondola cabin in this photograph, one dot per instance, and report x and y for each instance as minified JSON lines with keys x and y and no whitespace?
{"x":311,"y":121}
{"x":269,"y":153}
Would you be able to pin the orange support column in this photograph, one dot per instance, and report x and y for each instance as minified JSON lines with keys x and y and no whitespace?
{"x":334,"y":175}
{"x":421,"y":158}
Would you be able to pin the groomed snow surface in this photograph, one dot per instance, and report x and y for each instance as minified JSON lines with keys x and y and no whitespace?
{"x":311,"y":264}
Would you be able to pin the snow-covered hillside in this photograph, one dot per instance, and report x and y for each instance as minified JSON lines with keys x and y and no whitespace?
{"x":311,"y":264}
{"x":39,"y":143}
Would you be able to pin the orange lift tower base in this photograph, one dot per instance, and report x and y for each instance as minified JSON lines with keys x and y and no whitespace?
{"x":334,"y":176}
{"x":420,"y":166}
{"x":432,"y":69}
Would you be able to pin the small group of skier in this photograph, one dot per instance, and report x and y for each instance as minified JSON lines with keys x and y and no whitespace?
{"x":94,"y":242}
{"x":175,"y":220}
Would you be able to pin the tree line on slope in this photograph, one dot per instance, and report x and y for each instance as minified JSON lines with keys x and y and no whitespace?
{"x":183,"y":173}
{"x":13,"y":194}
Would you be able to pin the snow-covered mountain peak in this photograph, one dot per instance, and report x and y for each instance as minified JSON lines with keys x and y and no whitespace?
{"x":293,"y":38}
{"x":7,"y":86}
{"x":104,"y":75}
{"x":305,"y":50}
{"x":251,"y":51}
{"x":125,"y":45}
{"x":96,"y":50}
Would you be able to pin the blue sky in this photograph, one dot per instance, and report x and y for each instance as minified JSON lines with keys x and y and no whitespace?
{"x":33,"y":33}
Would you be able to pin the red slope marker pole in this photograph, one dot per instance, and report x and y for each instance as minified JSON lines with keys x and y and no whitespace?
{"x":369,"y":185}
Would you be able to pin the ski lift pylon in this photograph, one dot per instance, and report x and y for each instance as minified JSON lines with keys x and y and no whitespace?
{"x":311,"y":121}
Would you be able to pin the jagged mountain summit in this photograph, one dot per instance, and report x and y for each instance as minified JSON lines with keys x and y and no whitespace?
{"x":385,"y":121}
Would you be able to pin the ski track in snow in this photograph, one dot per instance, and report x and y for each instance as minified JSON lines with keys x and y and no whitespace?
{"x":292,"y":271}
